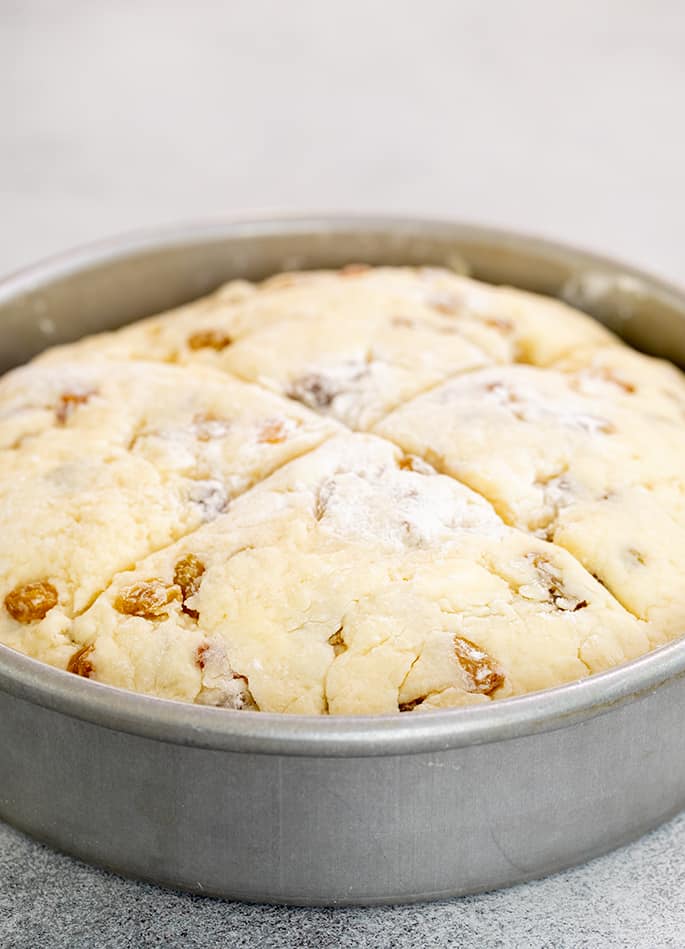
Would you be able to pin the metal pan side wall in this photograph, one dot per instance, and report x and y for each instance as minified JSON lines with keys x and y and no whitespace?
{"x":317,"y":812}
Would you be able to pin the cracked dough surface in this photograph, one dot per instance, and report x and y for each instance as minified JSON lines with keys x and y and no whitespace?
{"x":350,"y":492}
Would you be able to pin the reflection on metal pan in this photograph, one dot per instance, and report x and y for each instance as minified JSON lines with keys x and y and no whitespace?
{"x":340,"y":810}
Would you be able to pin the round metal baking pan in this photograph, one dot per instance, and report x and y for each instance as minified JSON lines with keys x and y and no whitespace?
{"x":335,"y":810}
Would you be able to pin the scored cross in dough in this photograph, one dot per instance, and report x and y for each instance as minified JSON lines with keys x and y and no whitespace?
{"x":349,"y":583}
{"x":588,"y":471}
{"x":171,"y":526}
{"x":356,"y":369}
{"x":103,"y":463}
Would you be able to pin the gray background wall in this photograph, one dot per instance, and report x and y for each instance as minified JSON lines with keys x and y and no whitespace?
{"x":564,"y":118}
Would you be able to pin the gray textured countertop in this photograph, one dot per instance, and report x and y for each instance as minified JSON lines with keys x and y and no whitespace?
{"x":632,"y":898}
{"x":563,"y":119}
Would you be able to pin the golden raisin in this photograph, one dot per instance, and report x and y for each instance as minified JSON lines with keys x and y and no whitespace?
{"x":550,"y":576}
{"x":188,"y":576}
{"x":480,"y":668}
{"x":80,"y":664}
{"x":415,"y":464}
{"x":200,"y":653}
{"x":606,"y":374}
{"x":312,"y":390}
{"x":445,"y":304}
{"x":337,"y":641}
{"x":209,"y":497}
{"x":31,"y":601}
{"x":273,"y":431}
{"x":410,"y":706}
{"x":502,"y":391}
{"x":594,"y":424}
{"x":209,"y":427}
{"x":209,"y":339}
{"x":68,"y":402}
{"x":147,"y":599}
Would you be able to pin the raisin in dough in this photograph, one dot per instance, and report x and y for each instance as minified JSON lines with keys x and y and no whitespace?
{"x":355,"y":369}
{"x":350,"y":583}
{"x":171,"y":526}
{"x":588,"y":471}
{"x":620,"y":374}
{"x":506,"y":324}
{"x":103,"y":463}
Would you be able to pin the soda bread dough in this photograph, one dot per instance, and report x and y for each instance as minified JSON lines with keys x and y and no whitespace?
{"x":185,"y":513}
{"x":103,"y":463}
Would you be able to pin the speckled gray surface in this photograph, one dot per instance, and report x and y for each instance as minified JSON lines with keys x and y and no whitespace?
{"x":634,"y":899}
{"x":562,"y":119}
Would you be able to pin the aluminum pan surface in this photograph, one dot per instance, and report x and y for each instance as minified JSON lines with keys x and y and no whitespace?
{"x":108,"y":284}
